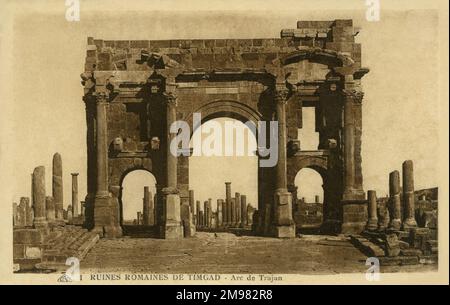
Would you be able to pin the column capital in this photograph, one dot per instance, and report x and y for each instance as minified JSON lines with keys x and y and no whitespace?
{"x":101,"y":97}
{"x":280,"y":94}
{"x":355,"y":96}
{"x":170,"y":98}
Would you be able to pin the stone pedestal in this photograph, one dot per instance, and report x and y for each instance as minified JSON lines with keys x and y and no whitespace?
{"x":50,"y":209}
{"x":354,"y":218}
{"x":284,"y":225}
{"x":107,"y":217}
{"x":172,"y":226}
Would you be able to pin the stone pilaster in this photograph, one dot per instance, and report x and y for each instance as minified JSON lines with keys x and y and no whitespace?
{"x":283,"y":223}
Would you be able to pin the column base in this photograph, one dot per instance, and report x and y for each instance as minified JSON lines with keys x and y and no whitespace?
{"x":41,"y":225}
{"x":395,"y":224}
{"x":354,"y":216}
{"x":172,"y":231}
{"x":172,"y":228}
{"x":331,"y":226}
{"x":284,"y":231}
{"x":106,"y":217}
{"x":409,"y":223}
{"x":372,"y":225}
{"x":354,"y":195}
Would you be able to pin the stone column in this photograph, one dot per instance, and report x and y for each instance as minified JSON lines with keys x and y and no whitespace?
{"x":372,"y":223}
{"x":138,"y":218}
{"x":233,"y":213}
{"x":228,"y":203}
{"x":172,"y":222}
{"x":197,"y":208}
{"x":40,"y":215}
{"x":201,"y":218}
{"x":243,"y":211}
{"x":284,"y":224}
{"x":15,"y":220}
{"x":193,"y":206}
{"x":394,"y":201}
{"x":106,"y":209}
{"x":219,"y":213}
{"x":317,"y":199}
{"x":224,"y":212}
{"x":57,"y":186}
{"x":148,"y":208}
{"x":210,"y":212}
{"x":352,"y":190}
{"x":408,"y":195}
{"x":50,"y":209}
{"x":69,"y":214}
{"x":21,"y":220}
{"x":237,"y":198}
{"x":83,"y":209}
{"x":74,"y":194}
{"x":354,"y":203}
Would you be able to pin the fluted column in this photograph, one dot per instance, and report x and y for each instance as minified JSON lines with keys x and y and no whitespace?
{"x":352,"y":191}
{"x":106,"y":208}
{"x":284,"y":224}
{"x":354,"y":203}
{"x":172,"y":224}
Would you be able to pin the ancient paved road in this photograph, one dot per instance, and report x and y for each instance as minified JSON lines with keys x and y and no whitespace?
{"x":227,"y":253}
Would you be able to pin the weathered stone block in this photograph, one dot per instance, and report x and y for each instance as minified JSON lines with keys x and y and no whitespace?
{"x":27,"y":236}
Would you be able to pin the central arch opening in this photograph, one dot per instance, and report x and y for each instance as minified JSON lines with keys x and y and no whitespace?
{"x":134,"y":215}
{"x":308,"y":212}
{"x":224,"y":150}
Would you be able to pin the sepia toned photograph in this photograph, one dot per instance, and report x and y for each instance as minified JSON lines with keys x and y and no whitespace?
{"x":224,"y":142}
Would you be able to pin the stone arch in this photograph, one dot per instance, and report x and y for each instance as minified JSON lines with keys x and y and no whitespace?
{"x":328,"y":57}
{"x":225,"y":108}
{"x":123,"y":176}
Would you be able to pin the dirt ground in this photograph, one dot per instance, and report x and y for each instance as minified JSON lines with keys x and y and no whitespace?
{"x":228,"y":253}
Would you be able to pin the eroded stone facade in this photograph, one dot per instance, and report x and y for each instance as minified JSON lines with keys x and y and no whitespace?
{"x":134,"y":90}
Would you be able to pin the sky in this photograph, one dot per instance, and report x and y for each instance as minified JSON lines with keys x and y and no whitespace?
{"x":43,"y":113}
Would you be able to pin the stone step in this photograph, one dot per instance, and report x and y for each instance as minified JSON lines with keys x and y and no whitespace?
{"x":411,"y":252}
{"x":367,"y":247}
{"x":399,"y":260}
